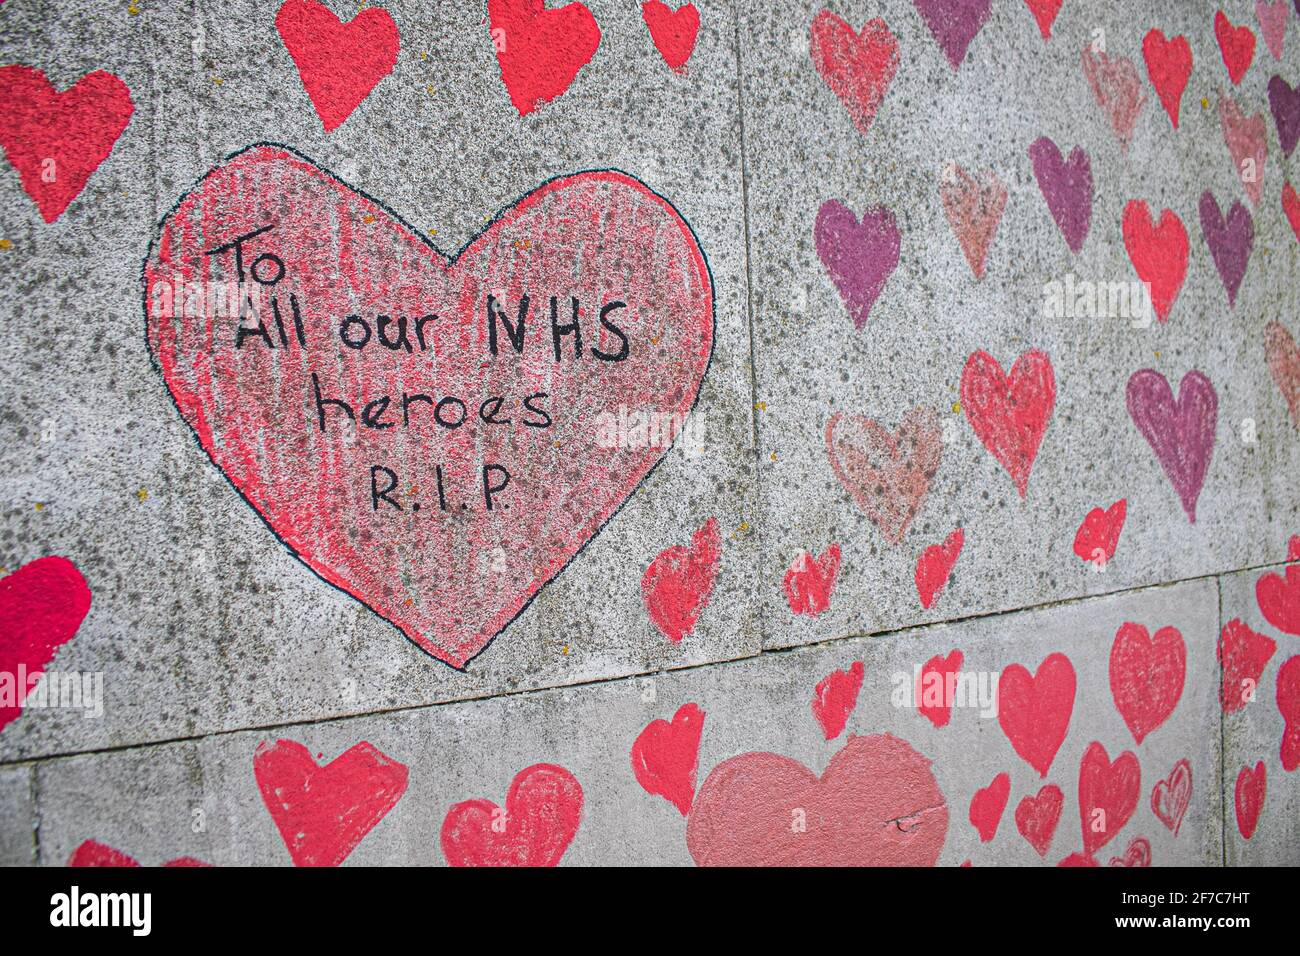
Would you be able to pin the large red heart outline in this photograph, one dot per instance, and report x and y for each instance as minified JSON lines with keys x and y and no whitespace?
{"x":350,"y":380}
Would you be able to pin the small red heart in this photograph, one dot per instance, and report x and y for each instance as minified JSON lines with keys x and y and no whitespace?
{"x":1236,"y":44}
{"x":934,"y":566}
{"x":1293,"y":548}
{"x":1252,"y":785}
{"x":1146,"y":675}
{"x":809,"y":581}
{"x":1137,"y":854}
{"x":932,"y":698}
{"x":836,"y":696}
{"x":974,"y":209}
{"x":56,"y":140}
{"x":677,"y":585}
{"x":1172,"y":796}
{"x":1169,"y":65}
{"x":857,"y":67}
{"x":339,"y":63}
{"x":1158,"y":252}
{"x":1288,"y":704}
{"x":1291,"y":206}
{"x":541,"y":817}
{"x":1278,"y":596}
{"x":1108,"y":794}
{"x":1079,"y":859}
{"x":1283,"y":359}
{"x":1243,"y":654}
{"x":1037,"y":816}
{"x":987,"y":805}
{"x":1034,"y":712}
{"x":673,"y":31}
{"x":665,"y":756}
{"x":93,"y":853}
{"x":1009,"y":413}
{"x":41,"y":606}
{"x":322,"y":813}
{"x":540,"y":51}
{"x":1044,"y":12}
{"x":1098,"y":535}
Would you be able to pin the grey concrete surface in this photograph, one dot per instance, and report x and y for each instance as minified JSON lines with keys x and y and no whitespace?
{"x":18,"y":814}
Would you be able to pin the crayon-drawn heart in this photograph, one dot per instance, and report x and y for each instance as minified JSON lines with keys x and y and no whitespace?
{"x":56,"y":140}
{"x":858,"y":67}
{"x":678,"y":584}
{"x":92,"y":853}
{"x":1243,"y":654}
{"x":1291,"y":206}
{"x":974,"y":209}
{"x":1044,"y":12}
{"x":987,"y":805}
{"x":322,"y":813}
{"x":1037,"y":816}
{"x":1293,"y":548}
{"x":810,"y":581}
{"x":1248,"y":798}
{"x":887,"y":474}
{"x":339,"y":63}
{"x":540,"y":51}
{"x":938,"y":671}
{"x":954,"y":24}
{"x":1272,"y":16}
{"x":673,"y":31}
{"x":1247,"y":141}
{"x":1278,"y":596}
{"x":1117,"y":89}
{"x":1229,"y":240}
{"x":835,"y":697}
{"x":1146,"y":675}
{"x":376,"y":382}
{"x":934,"y":567}
{"x":1285,"y":104}
{"x":1108,"y":794}
{"x":876,"y":804}
{"x":1236,"y":46}
{"x":41,"y":606}
{"x":1009,"y":413}
{"x":1169,"y":66}
{"x":1180,"y":433}
{"x":1067,"y":188}
{"x":1158,"y":252}
{"x":858,"y":257}
{"x":665,"y":756}
{"x":1288,"y":704}
{"x":1137,"y":854}
{"x":1034,"y":711}
{"x":1098,"y":535}
{"x":1172,"y":796}
{"x":1284,"y":365}
{"x":540,"y":819}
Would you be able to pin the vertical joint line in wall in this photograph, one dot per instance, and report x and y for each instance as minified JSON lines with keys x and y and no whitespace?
{"x":36,"y":816}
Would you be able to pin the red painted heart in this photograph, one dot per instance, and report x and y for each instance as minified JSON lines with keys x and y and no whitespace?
{"x":1287,"y":697}
{"x":339,"y":63}
{"x":1009,"y":413}
{"x":57,"y":140}
{"x":1108,"y":794}
{"x":665,"y":756}
{"x":877,"y":804}
{"x":678,"y":584}
{"x":1037,"y":816}
{"x":1137,"y":854}
{"x":1158,"y":252}
{"x":933,"y":701}
{"x":974,"y":208}
{"x":437,"y":438}
{"x":1098,"y":535}
{"x":540,"y":51}
{"x":1248,"y":798}
{"x":1283,"y":359}
{"x":322,"y":813}
{"x":540,"y":819}
{"x":987,"y":805}
{"x":835,"y":697}
{"x":1146,"y":675}
{"x":1169,"y":65}
{"x":934,"y":567}
{"x":1044,"y":12}
{"x":1236,"y":45}
{"x":810,"y":581}
{"x":1034,"y":711}
{"x":1278,"y":595}
{"x":1291,"y":206}
{"x":857,"y":67}
{"x":1243,"y":654}
{"x":673,"y":31}
{"x":92,"y":853}
{"x":1172,"y":796}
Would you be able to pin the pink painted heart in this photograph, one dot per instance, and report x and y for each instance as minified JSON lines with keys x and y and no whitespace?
{"x":1098,"y":535}
{"x":1291,"y":206}
{"x":835,"y":697}
{"x":1146,"y":675}
{"x":974,"y":209}
{"x":876,"y":804}
{"x":1284,"y":101}
{"x":1067,"y":188}
{"x":1230,"y":240}
{"x":1169,"y":65}
{"x":954,"y":24}
{"x":323,"y":813}
{"x":858,"y":256}
{"x":938,"y":672}
{"x":1117,"y":89}
{"x":1172,"y":796}
{"x":673,"y":31}
{"x":1009,"y":412}
{"x":1044,"y":12}
{"x":887,"y":474}
{"x":1272,"y":16}
{"x":41,"y":606}
{"x":1247,"y":141}
{"x":810,"y":581}
{"x":56,"y":140}
{"x":1037,"y":816}
{"x":1248,"y":798}
{"x":1137,"y":854}
{"x":1236,"y":46}
{"x":678,"y":584}
{"x":1243,"y":654}
{"x":666,"y":755}
{"x":1034,"y":710}
{"x":383,"y":407}
{"x":934,"y":567}
{"x":858,"y":67}
{"x":1284,"y":365}
{"x":1181,"y":432}
{"x":1108,"y":794}
{"x":987,"y":805}
{"x":540,"y":819}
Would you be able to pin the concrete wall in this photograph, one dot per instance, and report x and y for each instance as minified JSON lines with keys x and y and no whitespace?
{"x":215,"y":641}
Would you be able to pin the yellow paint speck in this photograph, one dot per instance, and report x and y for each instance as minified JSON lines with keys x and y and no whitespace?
{"x":142,"y":494}
{"x":956,"y":408}
{"x":1205,"y":104}
{"x":6,"y":244}
{"x":40,"y":506}
{"x":774,"y":456}
{"x":424,"y":55}
{"x":761,"y":406}
{"x":368,"y":218}
{"x":433,"y":232}
{"x":218,"y":80}
{"x":565,"y":649}
{"x":1157,"y":355}
{"x":132,"y":9}
{"x":744,"y":526}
